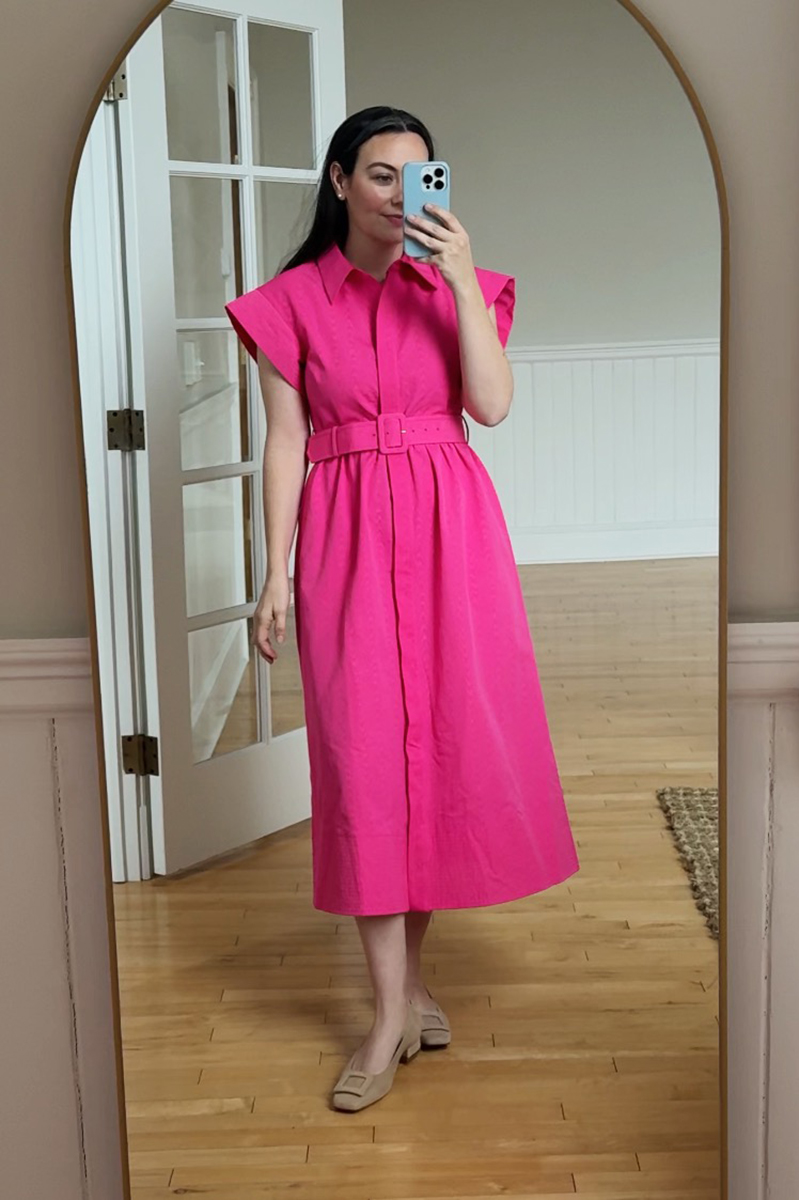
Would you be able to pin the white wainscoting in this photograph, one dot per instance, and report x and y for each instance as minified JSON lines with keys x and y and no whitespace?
{"x":609,"y":451}
{"x":762,"y":908}
{"x":61,"y":1135}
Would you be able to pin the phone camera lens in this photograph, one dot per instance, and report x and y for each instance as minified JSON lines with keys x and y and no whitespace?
{"x":439,"y":184}
{"x":428,"y":179}
{"x":439,"y":171}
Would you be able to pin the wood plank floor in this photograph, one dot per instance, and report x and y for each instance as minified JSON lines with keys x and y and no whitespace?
{"x":585,"y":1019}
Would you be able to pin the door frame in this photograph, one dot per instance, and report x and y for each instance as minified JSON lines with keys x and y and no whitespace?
{"x":100,"y":289}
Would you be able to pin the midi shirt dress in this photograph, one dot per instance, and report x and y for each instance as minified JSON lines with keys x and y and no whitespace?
{"x":433,"y":780}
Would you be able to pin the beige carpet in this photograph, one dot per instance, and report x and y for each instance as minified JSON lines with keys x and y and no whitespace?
{"x":693,"y":817}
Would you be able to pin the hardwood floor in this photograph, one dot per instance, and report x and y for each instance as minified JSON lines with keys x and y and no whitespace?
{"x":585,"y":1019}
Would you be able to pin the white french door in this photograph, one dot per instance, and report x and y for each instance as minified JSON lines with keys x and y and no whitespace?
{"x":229,"y":113}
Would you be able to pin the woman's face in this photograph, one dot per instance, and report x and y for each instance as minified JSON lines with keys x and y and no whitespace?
{"x":373,"y":193}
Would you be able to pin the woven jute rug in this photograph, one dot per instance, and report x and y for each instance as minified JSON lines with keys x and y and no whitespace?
{"x":692,"y":815}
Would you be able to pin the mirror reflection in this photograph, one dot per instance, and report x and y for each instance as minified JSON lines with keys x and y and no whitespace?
{"x":446,"y":854}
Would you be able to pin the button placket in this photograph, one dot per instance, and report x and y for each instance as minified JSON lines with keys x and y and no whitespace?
{"x":386,"y":317}
{"x":391,"y":419}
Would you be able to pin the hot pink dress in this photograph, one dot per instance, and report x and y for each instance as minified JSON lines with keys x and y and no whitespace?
{"x":433,"y":779}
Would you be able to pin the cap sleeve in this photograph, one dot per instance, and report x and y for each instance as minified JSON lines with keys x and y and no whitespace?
{"x":500,"y":290}
{"x":260,"y":323}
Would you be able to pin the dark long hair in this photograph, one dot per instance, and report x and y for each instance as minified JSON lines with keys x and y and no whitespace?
{"x":330,"y":221}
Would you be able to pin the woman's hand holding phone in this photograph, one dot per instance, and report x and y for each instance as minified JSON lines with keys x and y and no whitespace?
{"x":433,"y":227}
{"x":448,"y":245}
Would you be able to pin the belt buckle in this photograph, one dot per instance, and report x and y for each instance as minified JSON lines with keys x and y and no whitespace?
{"x":383,"y":443}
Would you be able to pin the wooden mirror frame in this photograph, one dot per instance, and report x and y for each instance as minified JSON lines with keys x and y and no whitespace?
{"x":724,"y":222}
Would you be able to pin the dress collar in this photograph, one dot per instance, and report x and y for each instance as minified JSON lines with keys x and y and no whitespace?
{"x":334,"y":268}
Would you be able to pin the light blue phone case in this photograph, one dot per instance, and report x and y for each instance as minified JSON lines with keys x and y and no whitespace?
{"x":422,"y":183}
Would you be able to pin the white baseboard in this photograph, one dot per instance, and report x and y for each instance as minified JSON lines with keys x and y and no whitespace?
{"x":615,"y":545}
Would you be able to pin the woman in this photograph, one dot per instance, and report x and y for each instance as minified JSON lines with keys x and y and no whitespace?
{"x":433,"y":780}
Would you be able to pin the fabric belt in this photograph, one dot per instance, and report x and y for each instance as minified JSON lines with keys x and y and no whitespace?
{"x":390,"y":433}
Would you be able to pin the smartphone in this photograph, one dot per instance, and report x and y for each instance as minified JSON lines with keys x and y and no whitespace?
{"x":422,"y":183}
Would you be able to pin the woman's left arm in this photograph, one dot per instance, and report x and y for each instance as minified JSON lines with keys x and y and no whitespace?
{"x":486,"y":372}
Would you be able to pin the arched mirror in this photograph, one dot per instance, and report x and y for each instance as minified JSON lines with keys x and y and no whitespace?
{"x":573,"y":1002}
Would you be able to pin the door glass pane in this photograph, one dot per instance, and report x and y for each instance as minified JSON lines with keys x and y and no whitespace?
{"x":223,"y":683}
{"x":280,"y":87}
{"x":285,"y":683}
{"x":283,"y":214}
{"x":217,"y":531}
{"x":200,"y":78}
{"x":206,"y":244}
{"x":214,"y":414}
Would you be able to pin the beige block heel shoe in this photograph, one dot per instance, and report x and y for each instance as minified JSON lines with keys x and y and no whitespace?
{"x":435,"y":1033}
{"x":358,"y":1089}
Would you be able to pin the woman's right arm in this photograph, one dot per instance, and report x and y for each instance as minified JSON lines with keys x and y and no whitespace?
{"x":284,"y":470}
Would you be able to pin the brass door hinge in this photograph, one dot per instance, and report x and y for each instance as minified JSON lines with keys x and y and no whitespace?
{"x":118,"y":87}
{"x":125,"y":428}
{"x":139,"y":754}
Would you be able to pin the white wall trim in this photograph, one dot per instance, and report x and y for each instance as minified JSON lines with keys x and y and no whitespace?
{"x":43,"y":677}
{"x":763,"y":659}
{"x":762,"y":901}
{"x":668,"y":348}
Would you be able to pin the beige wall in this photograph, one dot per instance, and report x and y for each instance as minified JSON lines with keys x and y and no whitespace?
{"x":741,"y":58}
{"x":577,"y":161}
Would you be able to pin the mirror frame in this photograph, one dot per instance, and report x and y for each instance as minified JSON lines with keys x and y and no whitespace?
{"x":724,"y":328}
